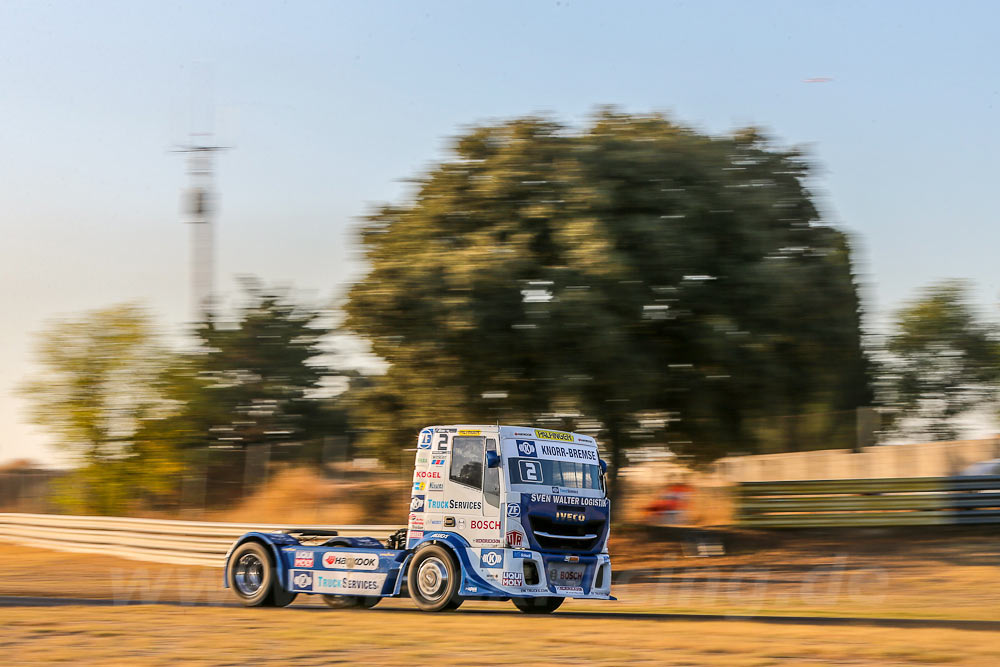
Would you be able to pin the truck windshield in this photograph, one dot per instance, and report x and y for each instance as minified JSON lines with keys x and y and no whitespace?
{"x":554,"y":473}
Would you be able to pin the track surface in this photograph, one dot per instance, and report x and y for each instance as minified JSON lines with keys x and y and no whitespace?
{"x":991,"y":626}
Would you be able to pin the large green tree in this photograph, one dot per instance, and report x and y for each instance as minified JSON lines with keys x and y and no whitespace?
{"x":941,"y":360}
{"x":635,"y":278}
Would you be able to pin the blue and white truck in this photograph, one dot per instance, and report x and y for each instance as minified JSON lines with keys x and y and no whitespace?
{"x":496,"y":513}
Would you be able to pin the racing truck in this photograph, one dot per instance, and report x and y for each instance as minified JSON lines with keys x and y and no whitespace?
{"x":496,"y":513}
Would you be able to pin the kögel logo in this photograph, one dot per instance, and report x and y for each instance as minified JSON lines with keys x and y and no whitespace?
{"x":525,"y":448}
{"x":578,"y":517}
{"x":428,"y":474}
{"x":554,"y":435}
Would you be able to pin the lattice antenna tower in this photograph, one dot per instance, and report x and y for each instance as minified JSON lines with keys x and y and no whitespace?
{"x":200,"y":198}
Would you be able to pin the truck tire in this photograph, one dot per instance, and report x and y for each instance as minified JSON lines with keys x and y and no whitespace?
{"x":253,"y":577}
{"x":351,"y":601}
{"x":545,"y":605}
{"x":434,"y":579}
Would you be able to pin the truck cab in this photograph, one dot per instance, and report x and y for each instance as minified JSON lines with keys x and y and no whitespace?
{"x":527,"y":506}
{"x":496,"y":512}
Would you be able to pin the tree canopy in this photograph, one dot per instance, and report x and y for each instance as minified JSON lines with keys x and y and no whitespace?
{"x":635,"y":278}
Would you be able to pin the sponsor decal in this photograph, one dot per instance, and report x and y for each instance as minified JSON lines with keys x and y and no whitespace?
{"x":348,"y":582}
{"x":554,"y":435}
{"x":471,"y":589}
{"x":425,"y":436}
{"x":302,"y":581}
{"x":417,"y":504}
{"x":416,"y":521}
{"x":486,"y":540}
{"x":583,"y":502}
{"x":537,"y":589}
{"x":487,"y":524}
{"x":419,"y":486}
{"x":438,"y":536}
{"x":427,"y":474}
{"x":513,"y":509}
{"x":422,"y":460}
{"x":522,"y":554}
{"x":526,"y":448}
{"x":435,"y":522}
{"x":435,"y":486}
{"x":416,"y":534}
{"x":491,"y":558}
{"x":469,"y":431}
{"x":566,"y":575}
{"x":584,"y":454}
{"x":437,"y":462}
{"x":444,"y":430}
{"x":512,"y":579}
{"x":569,"y":589}
{"x":531,"y":471}
{"x":522,"y":433}
{"x":555,"y":489}
{"x":515,"y":539}
{"x":562,"y":516}
{"x":454,"y":504}
{"x":342,"y":560}
{"x":303,"y":559}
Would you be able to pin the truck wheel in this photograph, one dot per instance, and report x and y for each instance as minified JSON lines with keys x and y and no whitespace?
{"x":351,"y":601}
{"x":433,"y":579}
{"x":252,"y":577}
{"x":538,"y":605}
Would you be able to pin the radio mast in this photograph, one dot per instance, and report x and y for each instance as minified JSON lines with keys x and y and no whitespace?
{"x":199,"y":199}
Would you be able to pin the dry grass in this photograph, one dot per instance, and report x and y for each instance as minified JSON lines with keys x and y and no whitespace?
{"x":216,"y":636}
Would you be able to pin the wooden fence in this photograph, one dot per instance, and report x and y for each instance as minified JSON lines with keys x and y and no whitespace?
{"x":869,"y":502}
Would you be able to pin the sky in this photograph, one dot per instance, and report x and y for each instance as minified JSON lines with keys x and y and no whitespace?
{"x":329,"y":107}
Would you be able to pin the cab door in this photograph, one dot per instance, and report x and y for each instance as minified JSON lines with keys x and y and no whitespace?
{"x":473,"y":491}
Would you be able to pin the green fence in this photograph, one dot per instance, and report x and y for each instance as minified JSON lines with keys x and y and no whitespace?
{"x":869,"y":502}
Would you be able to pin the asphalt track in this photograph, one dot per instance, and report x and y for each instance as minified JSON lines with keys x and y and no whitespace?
{"x":878,"y":622}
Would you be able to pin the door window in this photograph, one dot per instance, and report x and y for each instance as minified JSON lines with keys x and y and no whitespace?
{"x":467,"y":460}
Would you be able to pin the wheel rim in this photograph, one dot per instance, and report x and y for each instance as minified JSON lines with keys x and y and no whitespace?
{"x":249,"y":574}
{"x":432,"y":578}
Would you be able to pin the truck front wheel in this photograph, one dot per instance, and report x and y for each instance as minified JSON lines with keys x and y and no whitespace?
{"x":538,"y":605}
{"x":433,"y":579}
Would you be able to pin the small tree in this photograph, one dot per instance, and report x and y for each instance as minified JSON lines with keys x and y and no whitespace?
{"x":941,"y":361}
{"x":95,"y":390}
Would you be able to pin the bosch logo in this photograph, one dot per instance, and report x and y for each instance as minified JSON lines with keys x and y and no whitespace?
{"x":526,"y":448}
{"x":476,"y":524}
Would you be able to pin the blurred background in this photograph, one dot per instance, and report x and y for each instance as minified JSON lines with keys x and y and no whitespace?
{"x":250,"y":249}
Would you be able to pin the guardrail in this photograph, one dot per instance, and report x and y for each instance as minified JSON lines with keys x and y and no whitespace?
{"x":157,"y":540}
{"x":869,"y":502}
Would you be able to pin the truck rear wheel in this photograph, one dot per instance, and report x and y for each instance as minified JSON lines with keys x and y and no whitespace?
{"x":434,"y":579}
{"x":253,"y":577}
{"x":545,"y":605}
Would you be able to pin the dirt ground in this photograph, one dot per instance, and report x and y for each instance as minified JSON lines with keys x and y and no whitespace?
{"x":167,"y":620}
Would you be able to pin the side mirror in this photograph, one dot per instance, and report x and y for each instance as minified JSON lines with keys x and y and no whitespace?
{"x":604,"y":466}
{"x":492,"y":460}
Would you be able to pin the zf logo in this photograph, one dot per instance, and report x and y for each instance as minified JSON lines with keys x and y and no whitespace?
{"x":492,"y":558}
{"x":417,"y":504}
{"x":526,"y":448}
{"x":513,"y":509}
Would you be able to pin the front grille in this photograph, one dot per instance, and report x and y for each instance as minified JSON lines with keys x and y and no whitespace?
{"x":580,"y":537}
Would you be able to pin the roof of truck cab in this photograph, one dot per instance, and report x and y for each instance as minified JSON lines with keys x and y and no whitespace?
{"x":515,"y":432}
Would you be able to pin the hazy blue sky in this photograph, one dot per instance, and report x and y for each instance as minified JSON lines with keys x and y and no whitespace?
{"x":329,"y":105}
